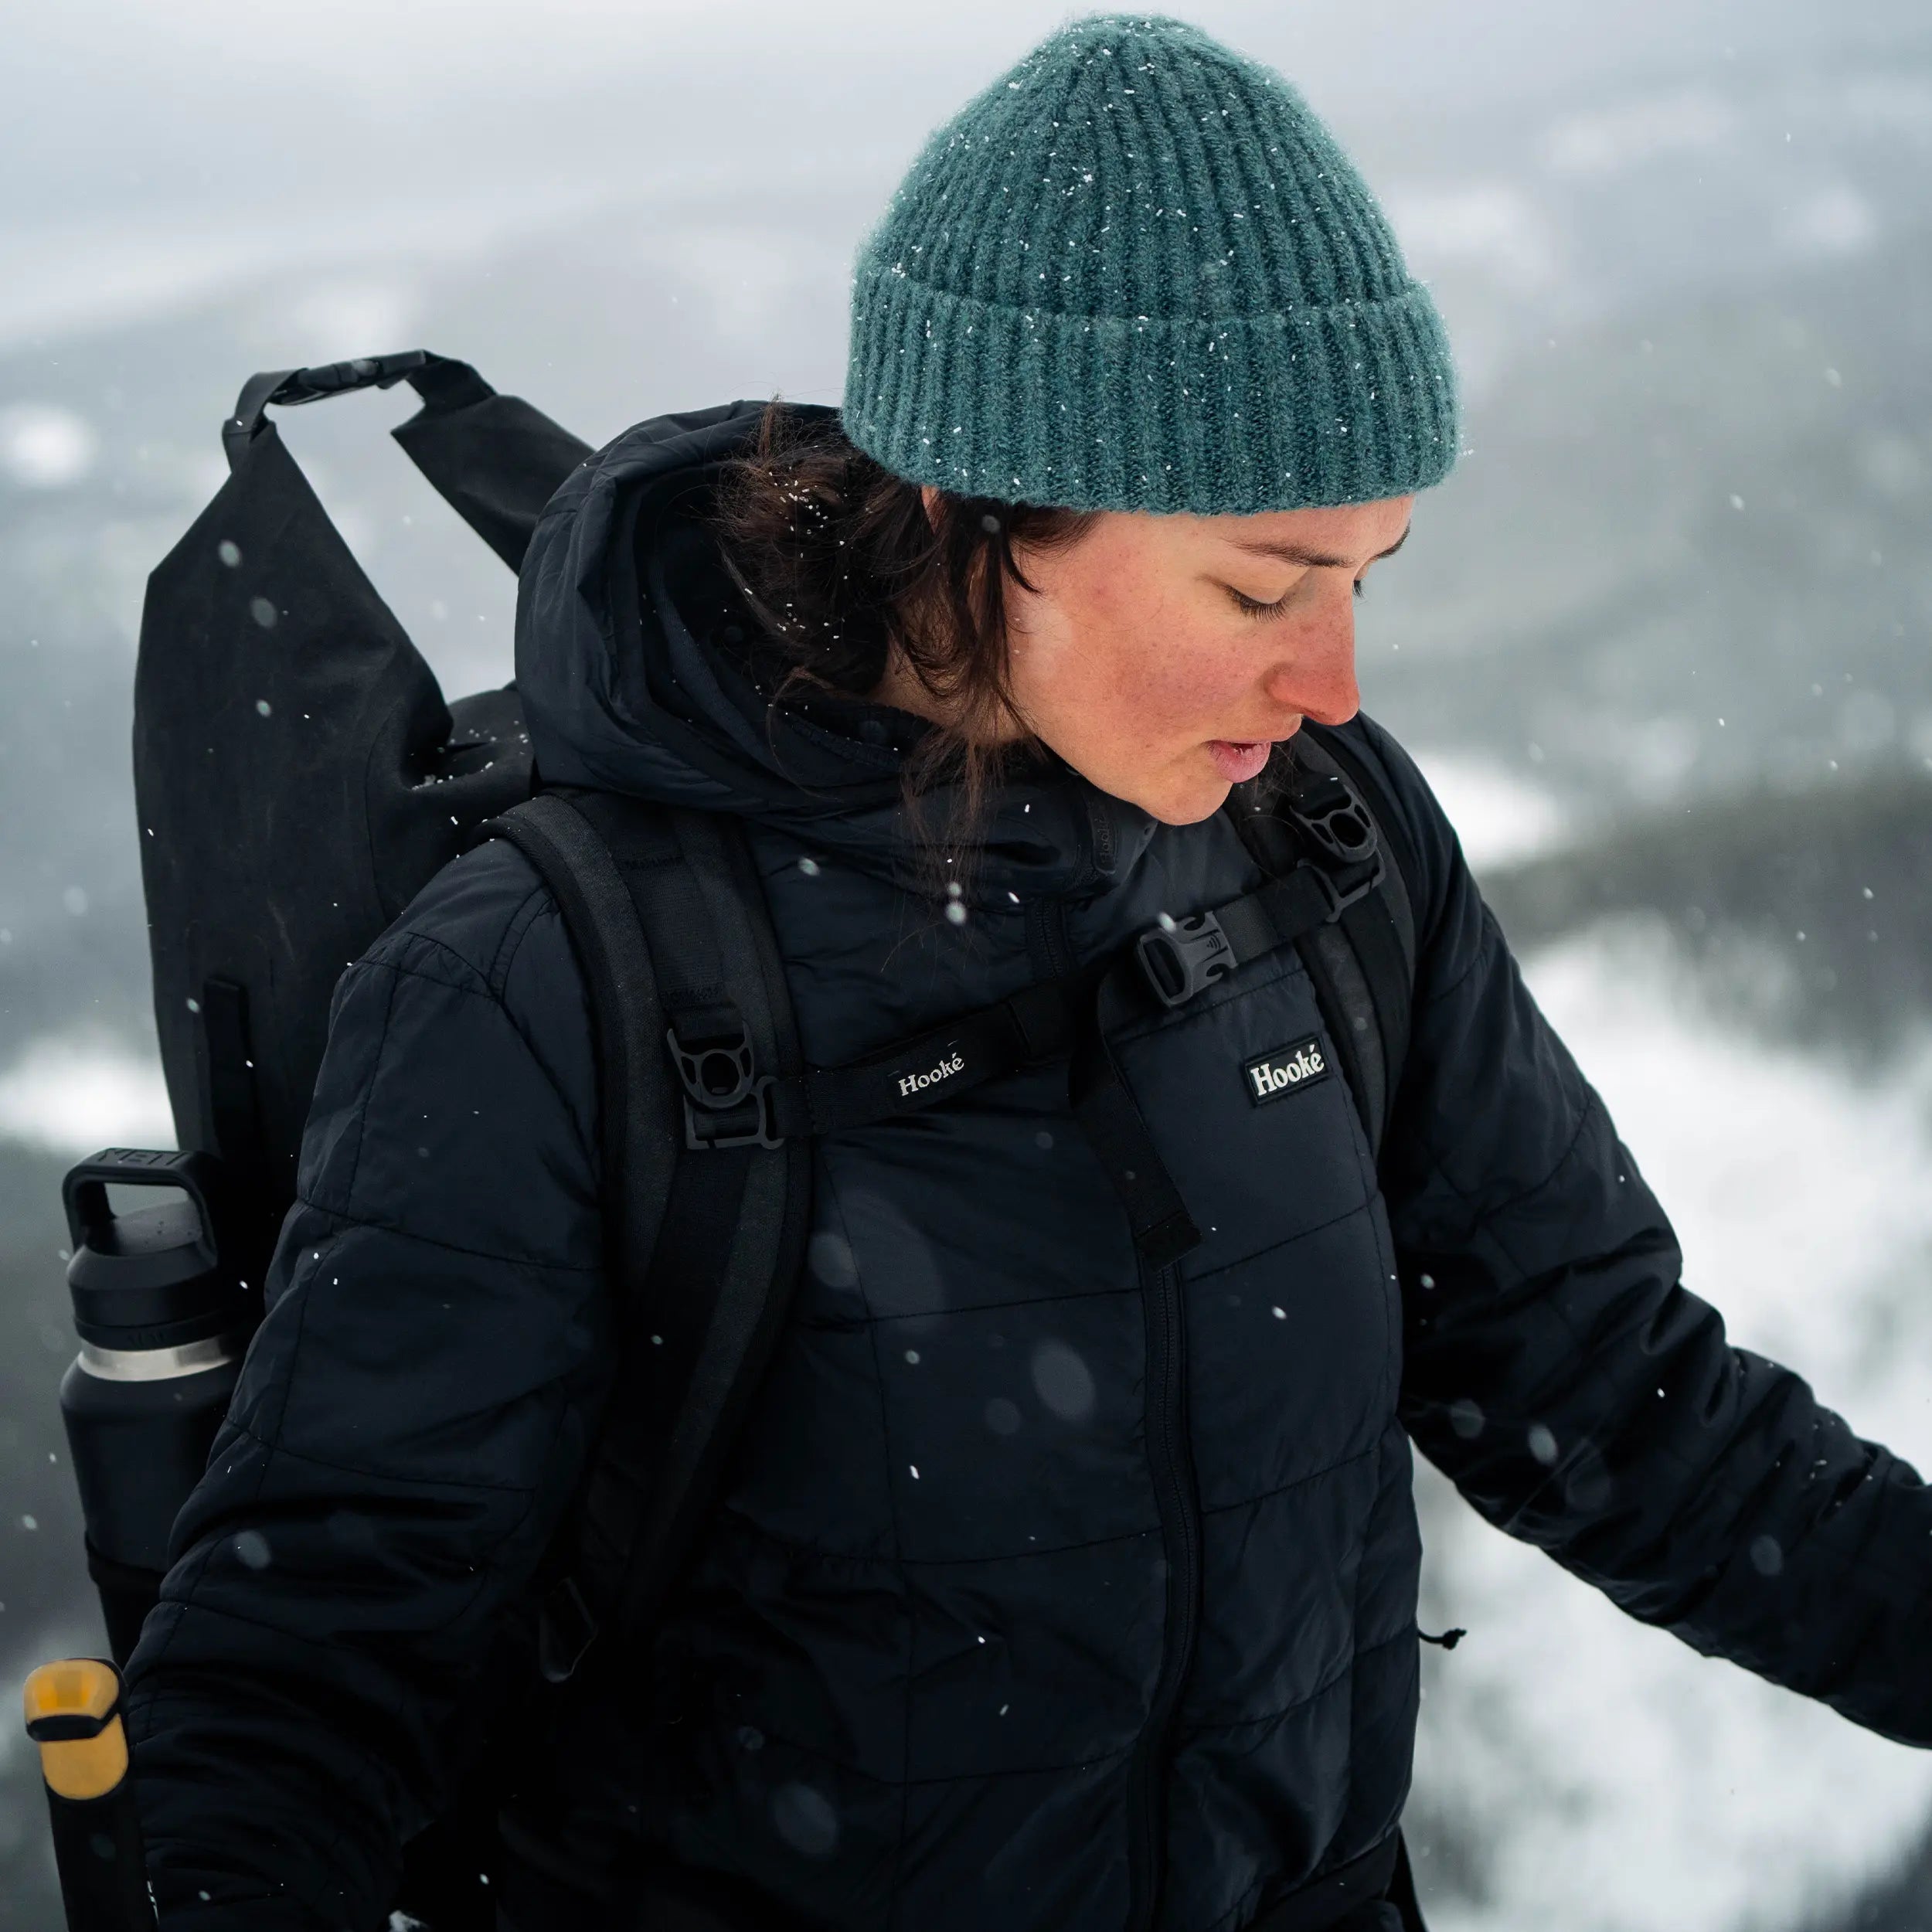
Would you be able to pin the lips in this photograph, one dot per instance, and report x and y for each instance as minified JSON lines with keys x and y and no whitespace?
{"x":1238,"y":761}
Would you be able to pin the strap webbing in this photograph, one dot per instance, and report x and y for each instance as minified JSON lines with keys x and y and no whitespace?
{"x":1278,"y":914}
{"x":1163,"y":1230}
{"x":1037,"y":1023}
{"x":443,"y":383}
{"x":233,"y":1106}
{"x":1364,"y":975}
{"x":1348,"y":1012}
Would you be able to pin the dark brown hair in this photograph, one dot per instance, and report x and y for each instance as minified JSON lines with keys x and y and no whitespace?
{"x":842,"y":565}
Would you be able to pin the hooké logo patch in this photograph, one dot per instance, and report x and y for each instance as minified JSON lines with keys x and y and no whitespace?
{"x":949,"y":1064}
{"x":1286,"y":1070}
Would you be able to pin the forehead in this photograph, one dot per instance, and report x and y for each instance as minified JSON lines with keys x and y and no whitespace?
{"x":1348,"y":534}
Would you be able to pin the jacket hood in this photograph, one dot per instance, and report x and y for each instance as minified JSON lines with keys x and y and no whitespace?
{"x":629,"y":637}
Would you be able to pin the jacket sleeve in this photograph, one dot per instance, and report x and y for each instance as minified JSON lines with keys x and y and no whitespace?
{"x":1578,"y":1395}
{"x":410,"y":1425}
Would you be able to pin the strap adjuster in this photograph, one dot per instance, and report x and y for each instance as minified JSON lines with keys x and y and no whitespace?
{"x":752,"y":1123}
{"x":727,"y":1102}
{"x":1341,"y":897}
{"x":1335,"y":822}
{"x":1181,"y":957}
{"x":1337,"y":828}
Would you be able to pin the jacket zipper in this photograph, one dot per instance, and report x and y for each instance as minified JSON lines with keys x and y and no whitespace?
{"x":1171,"y":1465}
{"x":1047,"y":942}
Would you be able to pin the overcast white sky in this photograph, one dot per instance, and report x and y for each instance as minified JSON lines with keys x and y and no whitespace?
{"x":148,"y":148}
{"x":109,"y":105}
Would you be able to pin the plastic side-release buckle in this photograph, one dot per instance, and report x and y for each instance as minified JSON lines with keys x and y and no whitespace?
{"x":727,"y":1101}
{"x":1180,"y":957}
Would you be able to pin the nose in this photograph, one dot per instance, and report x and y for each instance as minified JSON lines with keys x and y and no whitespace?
{"x":1316,"y":677}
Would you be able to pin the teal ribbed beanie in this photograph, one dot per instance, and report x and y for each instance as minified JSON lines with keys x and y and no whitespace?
{"x":1136,"y":273}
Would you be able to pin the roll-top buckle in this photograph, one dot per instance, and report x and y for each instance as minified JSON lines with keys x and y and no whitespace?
{"x":1181,"y":957}
{"x":727,"y":1102}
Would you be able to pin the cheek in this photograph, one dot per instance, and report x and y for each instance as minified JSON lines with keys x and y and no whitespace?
{"x":1159,"y":694}
{"x":1114,"y":673}
{"x":1168,"y":687}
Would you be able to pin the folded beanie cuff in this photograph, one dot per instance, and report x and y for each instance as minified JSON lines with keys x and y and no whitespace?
{"x":1347,"y":403}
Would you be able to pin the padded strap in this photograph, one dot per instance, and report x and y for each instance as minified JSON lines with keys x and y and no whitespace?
{"x":639,"y":1157}
{"x":724,"y":1281}
{"x":667,"y":917}
{"x":626,"y":1013}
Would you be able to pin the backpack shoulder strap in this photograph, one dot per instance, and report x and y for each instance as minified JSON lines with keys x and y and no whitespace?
{"x":704,"y":1233}
{"x":1364,"y":965}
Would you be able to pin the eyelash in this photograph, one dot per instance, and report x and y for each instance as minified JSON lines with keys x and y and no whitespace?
{"x":1249,"y":608}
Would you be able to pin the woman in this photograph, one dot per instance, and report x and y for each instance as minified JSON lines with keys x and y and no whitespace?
{"x":1055,"y":1585}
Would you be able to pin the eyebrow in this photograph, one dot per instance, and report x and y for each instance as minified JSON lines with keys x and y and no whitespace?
{"x":1301,"y":553}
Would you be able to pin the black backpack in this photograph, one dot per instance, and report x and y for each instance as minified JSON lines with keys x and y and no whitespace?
{"x":300,"y":777}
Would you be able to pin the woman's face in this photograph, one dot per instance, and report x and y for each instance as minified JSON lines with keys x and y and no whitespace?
{"x":1139,"y":660}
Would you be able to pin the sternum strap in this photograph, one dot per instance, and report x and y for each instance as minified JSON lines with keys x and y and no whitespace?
{"x":1036,"y":1024}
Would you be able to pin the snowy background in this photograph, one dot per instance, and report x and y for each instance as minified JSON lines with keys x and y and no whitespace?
{"x":1662,"y":641}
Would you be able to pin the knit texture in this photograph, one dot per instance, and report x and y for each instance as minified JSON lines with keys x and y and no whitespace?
{"x":1136,"y":273}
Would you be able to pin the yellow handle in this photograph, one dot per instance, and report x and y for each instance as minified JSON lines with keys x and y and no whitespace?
{"x":74,"y":1714}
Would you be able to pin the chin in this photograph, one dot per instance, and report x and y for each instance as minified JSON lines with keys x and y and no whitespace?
{"x":1188,"y":805}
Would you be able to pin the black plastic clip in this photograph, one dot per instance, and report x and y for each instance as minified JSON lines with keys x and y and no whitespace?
{"x":718,"y":1074}
{"x":1180,"y":957}
{"x":727,"y":1101}
{"x":1340,"y":895}
{"x":1336,"y":822}
{"x":1343,"y":850}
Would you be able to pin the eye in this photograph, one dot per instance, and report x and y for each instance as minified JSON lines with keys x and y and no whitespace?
{"x":1248,"y":607}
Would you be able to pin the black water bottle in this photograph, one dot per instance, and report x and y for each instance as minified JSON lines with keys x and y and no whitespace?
{"x":164,"y":1311}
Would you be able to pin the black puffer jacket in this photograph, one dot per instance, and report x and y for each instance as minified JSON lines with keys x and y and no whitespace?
{"x":1003,"y":1502}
